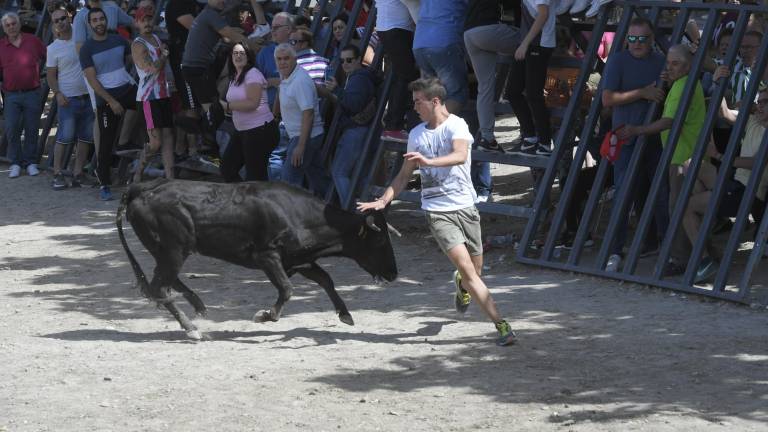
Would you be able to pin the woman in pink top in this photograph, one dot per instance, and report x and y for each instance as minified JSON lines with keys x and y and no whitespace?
{"x":257,"y":133}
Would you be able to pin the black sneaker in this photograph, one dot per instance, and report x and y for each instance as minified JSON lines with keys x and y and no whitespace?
{"x":489,"y":146}
{"x":83,"y":180}
{"x":527,"y":147}
{"x":543,"y":149}
{"x":673,"y":268}
{"x":59,"y":182}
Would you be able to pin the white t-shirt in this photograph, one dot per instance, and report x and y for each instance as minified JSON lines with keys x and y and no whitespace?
{"x":444,"y":188}
{"x":392,"y":14}
{"x":297,"y":94}
{"x":62,"y":55}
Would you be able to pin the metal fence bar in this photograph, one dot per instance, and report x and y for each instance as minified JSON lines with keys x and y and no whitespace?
{"x":756,"y":255}
{"x":727,"y":161}
{"x":742,"y":216}
{"x":625,"y":192}
{"x":545,"y":184}
{"x":647,"y":213}
{"x":584,"y":140}
{"x":602,"y":170}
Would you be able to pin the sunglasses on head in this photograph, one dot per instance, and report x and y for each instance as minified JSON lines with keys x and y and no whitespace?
{"x":636,"y":39}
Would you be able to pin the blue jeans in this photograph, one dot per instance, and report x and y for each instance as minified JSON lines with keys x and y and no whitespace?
{"x":447,"y":64}
{"x":75,"y":121}
{"x":349,"y":151}
{"x":277,"y":157}
{"x":311,"y":167}
{"x":647,"y":168}
{"x":480,"y":173}
{"x":22,"y":109}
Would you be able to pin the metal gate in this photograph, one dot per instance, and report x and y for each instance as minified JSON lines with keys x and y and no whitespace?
{"x":538,"y":244}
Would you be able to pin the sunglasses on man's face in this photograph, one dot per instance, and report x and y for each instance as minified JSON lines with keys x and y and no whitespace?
{"x":348,"y":59}
{"x":762,"y":102}
{"x":60,"y":20}
{"x":296,"y":41}
{"x":637,"y":39}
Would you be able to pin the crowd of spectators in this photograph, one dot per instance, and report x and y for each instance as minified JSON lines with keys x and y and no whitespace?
{"x":277,"y":92}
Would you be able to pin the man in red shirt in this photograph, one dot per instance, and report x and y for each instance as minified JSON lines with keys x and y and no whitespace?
{"x":21,"y":55}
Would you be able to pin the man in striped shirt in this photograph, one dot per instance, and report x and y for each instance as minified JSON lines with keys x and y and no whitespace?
{"x":312,"y":62}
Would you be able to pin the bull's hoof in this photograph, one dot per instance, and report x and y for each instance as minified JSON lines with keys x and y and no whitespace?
{"x":346,"y":319}
{"x":195,"y":335}
{"x":263,"y":316}
{"x":201,"y":313}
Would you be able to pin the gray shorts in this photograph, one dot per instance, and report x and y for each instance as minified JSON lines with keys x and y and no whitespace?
{"x":453,"y":228}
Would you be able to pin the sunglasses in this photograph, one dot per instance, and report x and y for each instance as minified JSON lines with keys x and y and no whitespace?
{"x":637,"y":39}
{"x":59,"y":20}
{"x":348,"y":59}
{"x":238,"y":53}
{"x":762,"y":102}
{"x":296,"y":41}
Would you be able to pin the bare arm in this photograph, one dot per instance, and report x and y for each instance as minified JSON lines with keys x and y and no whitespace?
{"x":90,"y":76}
{"x":650,"y":92}
{"x":728,"y":114}
{"x":393,"y":190}
{"x":233,"y":34}
{"x":186,"y":21}
{"x":307,"y":117}
{"x":538,"y":24}
{"x":142,"y":60}
{"x":258,"y":12}
{"x":52,"y":74}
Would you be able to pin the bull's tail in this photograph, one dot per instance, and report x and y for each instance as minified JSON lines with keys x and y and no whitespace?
{"x":141,"y":278}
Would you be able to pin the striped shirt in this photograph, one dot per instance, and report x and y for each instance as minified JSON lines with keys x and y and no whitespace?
{"x":158,"y":85}
{"x":315,"y":64}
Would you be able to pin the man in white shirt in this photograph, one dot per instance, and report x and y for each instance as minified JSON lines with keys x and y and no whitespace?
{"x":300,"y":111}
{"x":65,"y":77}
{"x":439,"y":147}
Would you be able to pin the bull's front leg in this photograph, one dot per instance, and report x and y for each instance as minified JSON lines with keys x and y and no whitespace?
{"x":317,"y":274}
{"x":273,"y":267}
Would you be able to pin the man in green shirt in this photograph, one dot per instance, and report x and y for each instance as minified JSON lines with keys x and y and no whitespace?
{"x":678,"y":65}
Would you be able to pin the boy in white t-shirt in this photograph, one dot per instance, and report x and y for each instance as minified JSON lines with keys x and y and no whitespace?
{"x":439,"y":147}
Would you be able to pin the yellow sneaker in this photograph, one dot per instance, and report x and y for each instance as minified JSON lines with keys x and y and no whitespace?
{"x":462,"y":297}
{"x":506,"y":335}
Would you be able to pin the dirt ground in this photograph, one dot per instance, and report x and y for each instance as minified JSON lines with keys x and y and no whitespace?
{"x":81,"y":350}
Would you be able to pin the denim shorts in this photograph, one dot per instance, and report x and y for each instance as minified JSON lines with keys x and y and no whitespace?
{"x":75,"y":121}
{"x":447,"y":64}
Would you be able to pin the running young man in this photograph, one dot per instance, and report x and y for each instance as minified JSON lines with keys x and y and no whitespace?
{"x":439,"y":147}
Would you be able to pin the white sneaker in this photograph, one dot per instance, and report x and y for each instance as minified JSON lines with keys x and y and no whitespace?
{"x":14,"y":172}
{"x":32,"y":170}
{"x":564,"y":6}
{"x":579,"y":6}
{"x":595,"y":9}
{"x":483,"y":199}
{"x":613,"y":263}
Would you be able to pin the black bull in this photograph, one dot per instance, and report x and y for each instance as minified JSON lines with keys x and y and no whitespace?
{"x":274,"y":227}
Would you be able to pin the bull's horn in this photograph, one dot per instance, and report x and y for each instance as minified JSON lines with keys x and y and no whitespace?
{"x":393,"y":230}
{"x":371,"y":224}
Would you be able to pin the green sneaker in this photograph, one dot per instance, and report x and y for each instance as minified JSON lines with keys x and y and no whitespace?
{"x":462,"y":297}
{"x":506,"y":335}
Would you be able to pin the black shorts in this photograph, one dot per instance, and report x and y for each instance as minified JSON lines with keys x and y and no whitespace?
{"x":734,"y":192}
{"x":158,"y":113}
{"x":201,"y":83}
